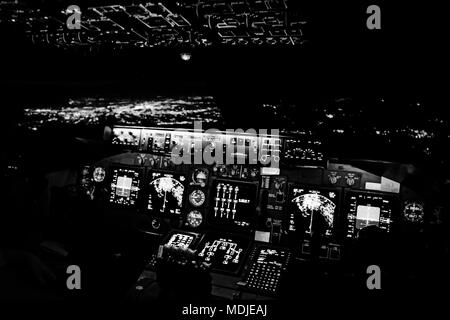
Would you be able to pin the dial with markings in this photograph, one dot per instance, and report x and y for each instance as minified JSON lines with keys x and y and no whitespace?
{"x":197,"y":198}
{"x":413,"y":212}
{"x":200,"y":177}
{"x":194,"y":218}
{"x":99,"y":174}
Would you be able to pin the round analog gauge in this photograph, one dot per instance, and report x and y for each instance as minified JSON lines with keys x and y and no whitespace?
{"x":194,"y":218}
{"x":413,"y":212}
{"x":200,"y":177}
{"x":197,"y":198}
{"x":156,"y":224}
{"x":308,"y":154}
{"x":99,"y":174}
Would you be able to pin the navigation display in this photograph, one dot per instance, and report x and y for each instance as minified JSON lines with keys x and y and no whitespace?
{"x":166,"y":193}
{"x":125,"y":186}
{"x":312,"y":207}
{"x":233,"y":204}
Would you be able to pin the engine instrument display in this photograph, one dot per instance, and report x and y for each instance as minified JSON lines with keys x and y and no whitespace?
{"x":225,"y":253}
{"x":368,"y":209}
{"x":233,"y":204}
{"x":166,"y":193}
{"x":313,"y":207}
{"x":125,"y":187}
{"x":413,"y":212}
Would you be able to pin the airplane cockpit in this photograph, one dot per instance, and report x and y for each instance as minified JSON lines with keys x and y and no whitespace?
{"x":262,"y":213}
{"x":138,"y":169}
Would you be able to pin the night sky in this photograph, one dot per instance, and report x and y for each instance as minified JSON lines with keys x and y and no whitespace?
{"x":341,"y":57}
{"x":404,"y":63}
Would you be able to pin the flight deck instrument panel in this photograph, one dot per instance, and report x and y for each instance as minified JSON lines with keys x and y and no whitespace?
{"x":221,"y":210}
{"x":224,"y":197}
{"x":197,"y":196}
{"x":266,"y":148}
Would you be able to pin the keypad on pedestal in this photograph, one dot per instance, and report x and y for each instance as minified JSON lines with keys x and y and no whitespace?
{"x":264,"y":277}
{"x":266,"y":270}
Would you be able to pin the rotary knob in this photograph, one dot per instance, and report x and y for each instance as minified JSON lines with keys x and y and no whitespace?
{"x":333,"y":179}
{"x":140,"y":160}
{"x":350,"y":181}
{"x":156,"y":224}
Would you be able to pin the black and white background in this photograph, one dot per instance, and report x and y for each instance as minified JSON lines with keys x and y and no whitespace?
{"x":317,"y":71}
